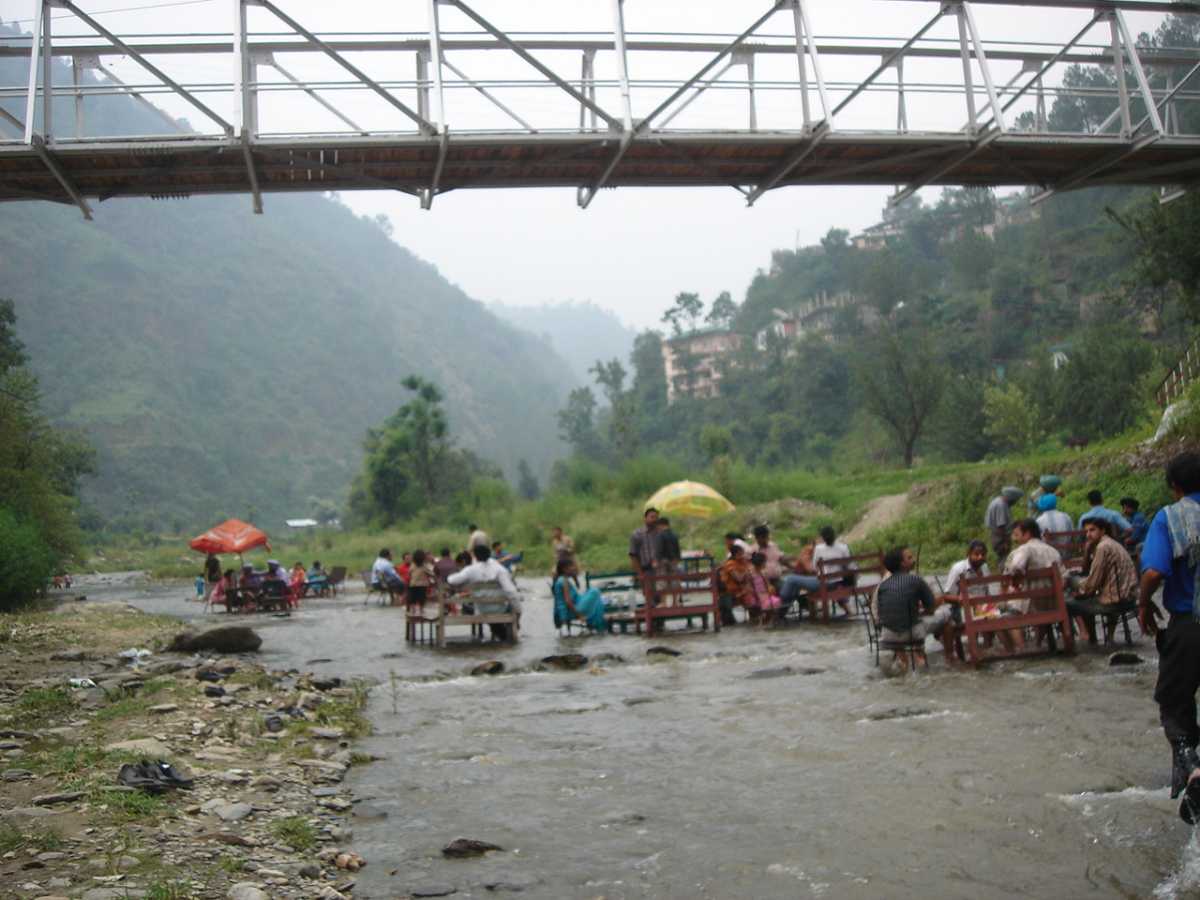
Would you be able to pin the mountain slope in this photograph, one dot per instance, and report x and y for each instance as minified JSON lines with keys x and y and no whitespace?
{"x":226,"y":363}
{"x":581,"y":332}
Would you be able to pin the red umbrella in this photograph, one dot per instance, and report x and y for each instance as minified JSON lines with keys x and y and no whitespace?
{"x":231,"y":536}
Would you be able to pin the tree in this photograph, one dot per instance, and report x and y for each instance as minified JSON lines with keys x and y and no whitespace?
{"x":577,"y":423}
{"x":901,"y":382}
{"x":40,"y":471}
{"x":1012,"y":421}
{"x":688,"y":308}
{"x":527,"y":483}
{"x":1168,"y":253}
{"x":723,"y":311}
{"x":622,"y":427}
{"x":410,"y":450}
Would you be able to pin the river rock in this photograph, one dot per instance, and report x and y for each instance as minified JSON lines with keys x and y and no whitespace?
{"x":1125,"y":658}
{"x":326,"y":684}
{"x":569,"y":661}
{"x":17,"y":775}
{"x":247,"y":890}
{"x":663,"y":651}
{"x":433,"y":890}
{"x":233,"y":812}
{"x":163,"y":708}
{"x":369,"y":813}
{"x":214,"y":690}
{"x":73,"y":654}
{"x":899,"y":712}
{"x":610,"y":658}
{"x":491,"y":667}
{"x":55,"y":799}
{"x":327,"y":734}
{"x":225,"y":639}
{"x":149,"y":747}
{"x":464,"y":848}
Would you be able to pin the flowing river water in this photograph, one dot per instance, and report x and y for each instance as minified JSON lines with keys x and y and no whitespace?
{"x":718,"y":774}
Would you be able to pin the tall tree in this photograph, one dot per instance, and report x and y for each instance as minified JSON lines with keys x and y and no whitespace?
{"x":577,"y":423}
{"x":687,"y":311}
{"x":901,"y":382}
{"x":622,"y":428}
{"x":723,"y":311}
{"x":527,"y":483}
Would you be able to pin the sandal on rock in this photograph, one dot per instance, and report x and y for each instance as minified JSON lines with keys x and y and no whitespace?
{"x":141,"y":776}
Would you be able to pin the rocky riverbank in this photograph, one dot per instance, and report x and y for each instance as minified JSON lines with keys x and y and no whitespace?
{"x":267,"y":814}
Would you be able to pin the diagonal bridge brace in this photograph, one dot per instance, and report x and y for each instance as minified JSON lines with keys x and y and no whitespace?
{"x":51,"y":162}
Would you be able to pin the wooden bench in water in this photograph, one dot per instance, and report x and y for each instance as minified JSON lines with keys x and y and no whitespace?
{"x":430,"y":620}
{"x":1041,"y":593}
{"x":841,"y":579}
{"x":679,"y":595}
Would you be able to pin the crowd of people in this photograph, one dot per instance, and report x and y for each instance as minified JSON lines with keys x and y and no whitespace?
{"x":421,"y":577}
{"x":249,"y":588}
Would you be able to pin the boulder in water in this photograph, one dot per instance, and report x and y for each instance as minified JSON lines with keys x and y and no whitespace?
{"x":464,"y":848}
{"x":1125,"y":658}
{"x":568,"y":661}
{"x":663,"y":651}
{"x":227,"y":639}
{"x":491,"y":667}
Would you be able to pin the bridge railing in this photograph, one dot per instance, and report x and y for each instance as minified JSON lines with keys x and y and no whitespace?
{"x":269,"y":75}
{"x":1184,"y":372}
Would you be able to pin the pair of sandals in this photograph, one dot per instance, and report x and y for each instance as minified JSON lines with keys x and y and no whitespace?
{"x":153,"y":777}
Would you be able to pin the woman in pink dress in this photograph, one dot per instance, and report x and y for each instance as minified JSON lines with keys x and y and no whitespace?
{"x":766,"y":601}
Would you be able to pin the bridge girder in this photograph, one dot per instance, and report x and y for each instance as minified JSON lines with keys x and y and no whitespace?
{"x":611,"y":145}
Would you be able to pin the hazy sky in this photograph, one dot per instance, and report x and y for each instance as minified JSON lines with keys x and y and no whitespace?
{"x":632,"y":250}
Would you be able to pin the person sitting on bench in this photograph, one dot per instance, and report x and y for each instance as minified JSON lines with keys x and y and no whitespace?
{"x":1112,"y":580}
{"x":385,"y":577}
{"x":484,"y":570}
{"x":903,"y":604}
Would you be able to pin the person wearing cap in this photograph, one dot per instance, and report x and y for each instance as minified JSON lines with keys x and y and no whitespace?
{"x":998,"y":520}
{"x":1051,"y":519}
{"x":1047,"y":484}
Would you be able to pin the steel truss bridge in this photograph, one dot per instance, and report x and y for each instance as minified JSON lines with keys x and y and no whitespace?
{"x":465,"y":103}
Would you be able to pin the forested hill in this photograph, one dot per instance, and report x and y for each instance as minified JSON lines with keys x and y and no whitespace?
{"x":224,"y":363}
{"x":582,"y":333}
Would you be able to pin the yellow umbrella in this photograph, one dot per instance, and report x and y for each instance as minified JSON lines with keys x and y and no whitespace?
{"x":689,"y":498}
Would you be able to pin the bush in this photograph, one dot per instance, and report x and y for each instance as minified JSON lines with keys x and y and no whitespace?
{"x":26,"y":561}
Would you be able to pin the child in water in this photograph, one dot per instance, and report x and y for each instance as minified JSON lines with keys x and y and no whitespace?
{"x":765,"y":600}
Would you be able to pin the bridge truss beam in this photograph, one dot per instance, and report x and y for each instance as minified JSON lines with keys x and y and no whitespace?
{"x":619,"y":129}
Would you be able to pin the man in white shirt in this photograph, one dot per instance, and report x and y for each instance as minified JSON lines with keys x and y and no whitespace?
{"x":830,"y":548}
{"x":385,"y":576}
{"x":974,"y":566}
{"x":484,"y":570}
{"x":1051,"y":518}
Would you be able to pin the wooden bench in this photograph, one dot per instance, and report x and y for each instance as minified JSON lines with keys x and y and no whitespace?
{"x":679,"y":595}
{"x":1071,"y":546}
{"x":1046,"y":607}
{"x":613,"y":585}
{"x":841,"y":579}
{"x":490,"y":607}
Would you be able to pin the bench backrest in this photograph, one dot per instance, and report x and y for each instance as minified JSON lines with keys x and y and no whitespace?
{"x":832,"y":572}
{"x":488,"y":597}
{"x":679,"y":584}
{"x":1043,"y":588}
{"x":1069,"y":544}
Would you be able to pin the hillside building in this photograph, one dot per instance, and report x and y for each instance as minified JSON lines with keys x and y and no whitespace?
{"x":692,"y":362}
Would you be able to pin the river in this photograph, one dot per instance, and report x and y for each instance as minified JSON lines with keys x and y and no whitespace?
{"x":690,"y":776}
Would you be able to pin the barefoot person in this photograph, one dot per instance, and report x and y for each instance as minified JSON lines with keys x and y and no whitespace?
{"x":1169,"y":559}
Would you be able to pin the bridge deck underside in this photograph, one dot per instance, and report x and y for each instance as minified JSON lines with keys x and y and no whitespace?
{"x":146,"y":168}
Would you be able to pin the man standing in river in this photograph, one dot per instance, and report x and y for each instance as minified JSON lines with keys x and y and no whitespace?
{"x":1169,"y":559}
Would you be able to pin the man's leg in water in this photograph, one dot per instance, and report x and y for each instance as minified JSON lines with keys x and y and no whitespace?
{"x":1175,"y":694}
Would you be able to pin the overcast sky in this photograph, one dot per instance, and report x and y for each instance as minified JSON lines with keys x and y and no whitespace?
{"x":632,"y":250}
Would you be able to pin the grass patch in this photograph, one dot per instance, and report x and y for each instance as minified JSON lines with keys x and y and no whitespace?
{"x":40,"y":705}
{"x":174,"y":889}
{"x":125,"y":703}
{"x":40,"y":836}
{"x":296,"y":832}
{"x":125,"y":807}
{"x":256,"y":678}
{"x":346,"y":713}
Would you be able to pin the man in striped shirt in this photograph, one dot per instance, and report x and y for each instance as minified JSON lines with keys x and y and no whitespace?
{"x":903,"y":604}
